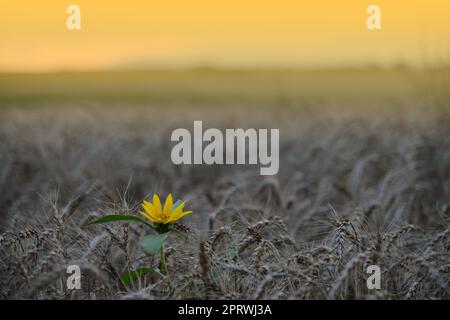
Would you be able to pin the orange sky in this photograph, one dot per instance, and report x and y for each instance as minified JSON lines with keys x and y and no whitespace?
{"x":237,"y":33}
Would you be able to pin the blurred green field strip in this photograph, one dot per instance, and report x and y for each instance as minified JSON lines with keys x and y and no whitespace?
{"x":206,"y":86}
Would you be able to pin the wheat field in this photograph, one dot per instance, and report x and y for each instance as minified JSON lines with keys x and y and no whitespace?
{"x":364,"y":179}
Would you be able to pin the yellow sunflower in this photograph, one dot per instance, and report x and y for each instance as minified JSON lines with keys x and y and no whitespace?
{"x":157,"y":214}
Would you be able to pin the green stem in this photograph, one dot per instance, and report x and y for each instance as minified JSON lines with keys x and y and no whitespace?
{"x":163,"y":261}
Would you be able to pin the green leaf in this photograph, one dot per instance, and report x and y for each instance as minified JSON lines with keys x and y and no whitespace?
{"x":232,"y":252}
{"x":214,"y":273}
{"x":129,"y":277}
{"x":152,"y":242}
{"x":118,"y":217}
{"x":199,"y":282}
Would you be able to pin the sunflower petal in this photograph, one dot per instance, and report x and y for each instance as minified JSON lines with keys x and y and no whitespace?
{"x":148,"y":209}
{"x":147,"y":216}
{"x":177,"y":204}
{"x":168,"y":205}
{"x":178,"y":210}
{"x":178,"y":216}
{"x":157,"y":205}
{"x":145,"y":203}
{"x":180,"y":206}
{"x":151,"y":212}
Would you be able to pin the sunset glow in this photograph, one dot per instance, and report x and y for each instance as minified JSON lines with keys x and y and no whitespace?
{"x":232,"y":33}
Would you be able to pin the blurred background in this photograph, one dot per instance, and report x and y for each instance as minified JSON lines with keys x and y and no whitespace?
{"x":114,"y":90}
{"x":224,"y":34}
{"x":206,"y":50}
{"x":364,"y":118}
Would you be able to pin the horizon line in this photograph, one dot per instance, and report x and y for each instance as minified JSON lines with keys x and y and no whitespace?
{"x":365,"y":67}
